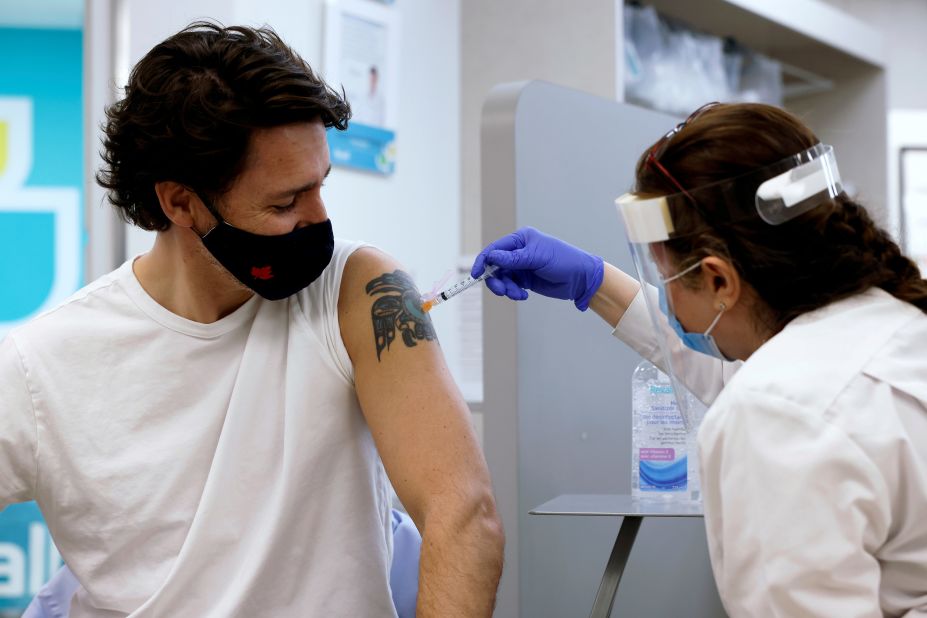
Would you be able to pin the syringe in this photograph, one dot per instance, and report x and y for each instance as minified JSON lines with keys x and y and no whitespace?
{"x":429,"y":303}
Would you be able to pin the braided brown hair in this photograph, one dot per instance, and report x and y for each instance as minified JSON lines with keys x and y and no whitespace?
{"x":832,"y":252}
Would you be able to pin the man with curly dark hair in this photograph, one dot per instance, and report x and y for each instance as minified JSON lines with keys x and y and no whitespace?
{"x":211,"y":429}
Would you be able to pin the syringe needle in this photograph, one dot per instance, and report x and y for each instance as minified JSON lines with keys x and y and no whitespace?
{"x":429,"y":303}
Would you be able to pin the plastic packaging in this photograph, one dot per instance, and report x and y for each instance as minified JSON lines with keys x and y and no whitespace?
{"x":675,"y":69}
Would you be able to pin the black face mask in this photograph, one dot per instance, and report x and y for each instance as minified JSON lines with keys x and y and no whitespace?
{"x":273,"y":266}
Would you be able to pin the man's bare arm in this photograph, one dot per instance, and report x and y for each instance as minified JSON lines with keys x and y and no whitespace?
{"x":422,"y":429}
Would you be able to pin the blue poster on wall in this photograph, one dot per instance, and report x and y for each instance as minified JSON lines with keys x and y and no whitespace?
{"x":41,"y":171}
{"x":41,"y":236}
{"x":361,"y":51}
{"x":363,"y":147}
{"x":28,"y":557}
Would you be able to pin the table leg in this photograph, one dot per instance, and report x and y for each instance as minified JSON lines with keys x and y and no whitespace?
{"x":605,"y":597}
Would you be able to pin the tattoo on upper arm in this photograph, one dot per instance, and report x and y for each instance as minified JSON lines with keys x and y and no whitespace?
{"x":398,"y":307}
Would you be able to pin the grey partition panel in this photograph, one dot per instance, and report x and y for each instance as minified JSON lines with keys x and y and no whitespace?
{"x":556,"y":383}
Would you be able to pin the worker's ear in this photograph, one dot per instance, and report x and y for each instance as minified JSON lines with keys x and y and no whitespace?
{"x":181,"y":205}
{"x":722,"y":281}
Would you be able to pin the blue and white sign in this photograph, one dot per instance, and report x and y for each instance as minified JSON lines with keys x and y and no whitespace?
{"x":28,"y":557}
{"x":41,"y":237}
{"x":41,"y":171}
{"x":362,"y":58}
{"x":363,"y":147}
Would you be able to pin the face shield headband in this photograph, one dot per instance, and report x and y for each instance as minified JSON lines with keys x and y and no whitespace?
{"x":783,"y":191}
{"x":776,"y":193}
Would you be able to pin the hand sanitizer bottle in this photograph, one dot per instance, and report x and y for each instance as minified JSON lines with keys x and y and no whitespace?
{"x":697,"y":411}
{"x":659,"y":466}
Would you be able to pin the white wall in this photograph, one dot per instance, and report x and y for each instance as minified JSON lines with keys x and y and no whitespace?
{"x":569,"y":44}
{"x":414,"y":214}
{"x":902,"y":23}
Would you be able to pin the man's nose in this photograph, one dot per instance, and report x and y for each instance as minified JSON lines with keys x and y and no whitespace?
{"x":313,"y":212}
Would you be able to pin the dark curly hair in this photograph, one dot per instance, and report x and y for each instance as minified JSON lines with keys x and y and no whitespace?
{"x":190,"y":107}
{"x":831,"y":252}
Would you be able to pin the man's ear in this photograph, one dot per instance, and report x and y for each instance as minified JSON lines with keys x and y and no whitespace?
{"x":722,"y":280}
{"x":177,"y":202}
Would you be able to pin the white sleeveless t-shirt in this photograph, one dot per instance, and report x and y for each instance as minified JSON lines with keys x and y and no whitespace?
{"x":208,"y":470}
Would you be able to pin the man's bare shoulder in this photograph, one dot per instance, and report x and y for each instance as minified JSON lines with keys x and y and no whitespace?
{"x":379,"y":306}
{"x":364,"y":261}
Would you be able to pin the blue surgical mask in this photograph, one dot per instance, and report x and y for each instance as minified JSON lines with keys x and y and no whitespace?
{"x":700,"y":342}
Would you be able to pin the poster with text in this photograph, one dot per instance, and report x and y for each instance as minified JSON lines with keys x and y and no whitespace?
{"x":362,"y":57}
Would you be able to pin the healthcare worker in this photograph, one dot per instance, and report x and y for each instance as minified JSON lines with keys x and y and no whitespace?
{"x":756,"y":262}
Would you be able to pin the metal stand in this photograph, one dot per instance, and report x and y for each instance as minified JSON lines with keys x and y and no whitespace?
{"x":605,"y":597}
{"x":615,"y":505}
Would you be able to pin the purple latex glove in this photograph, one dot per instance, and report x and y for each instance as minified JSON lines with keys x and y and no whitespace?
{"x":531,"y":260}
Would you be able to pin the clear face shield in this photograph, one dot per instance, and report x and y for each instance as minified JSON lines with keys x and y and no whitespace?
{"x":776,"y":193}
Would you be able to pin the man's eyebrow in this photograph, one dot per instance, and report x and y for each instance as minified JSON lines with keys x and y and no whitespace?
{"x":290,"y":192}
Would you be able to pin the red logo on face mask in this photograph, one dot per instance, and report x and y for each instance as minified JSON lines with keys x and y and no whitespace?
{"x":264,"y":273}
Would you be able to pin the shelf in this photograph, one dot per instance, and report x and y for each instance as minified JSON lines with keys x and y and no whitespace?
{"x":809,"y":34}
{"x":616,"y":505}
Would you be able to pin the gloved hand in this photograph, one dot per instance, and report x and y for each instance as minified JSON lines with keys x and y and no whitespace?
{"x":531,"y":260}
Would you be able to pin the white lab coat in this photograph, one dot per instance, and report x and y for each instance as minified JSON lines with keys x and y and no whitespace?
{"x":814,"y":461}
